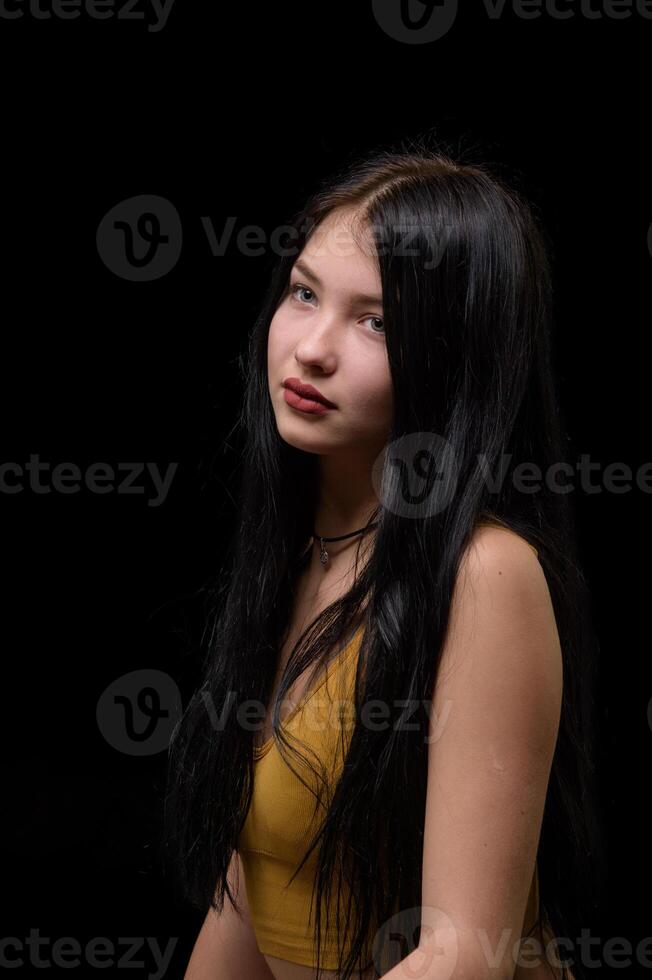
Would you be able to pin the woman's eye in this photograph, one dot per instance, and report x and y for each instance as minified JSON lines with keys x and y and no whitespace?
{"x":296,"y":287}
{"x":378,"y":320}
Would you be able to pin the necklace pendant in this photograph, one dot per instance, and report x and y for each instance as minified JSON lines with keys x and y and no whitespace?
{"x":323,"y":554}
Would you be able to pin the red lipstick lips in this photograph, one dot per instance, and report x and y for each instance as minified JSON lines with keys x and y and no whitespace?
{"x":305,"y":397}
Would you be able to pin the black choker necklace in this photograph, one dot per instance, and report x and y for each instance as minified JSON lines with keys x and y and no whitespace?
{"x":323,"y":554}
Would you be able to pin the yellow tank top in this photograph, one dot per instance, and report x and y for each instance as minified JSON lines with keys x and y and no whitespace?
{"x":281,"y":821}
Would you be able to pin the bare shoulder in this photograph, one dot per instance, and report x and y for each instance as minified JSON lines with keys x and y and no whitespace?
{"x":498,"y":558}
{"x":490,"y":540}
{"x":502,"y":605}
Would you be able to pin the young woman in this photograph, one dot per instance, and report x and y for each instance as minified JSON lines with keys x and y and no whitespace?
{"x":416,"y":795}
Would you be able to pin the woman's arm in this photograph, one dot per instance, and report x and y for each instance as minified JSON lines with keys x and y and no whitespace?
{"x":494,"y":725}
{"x":226,"y":947}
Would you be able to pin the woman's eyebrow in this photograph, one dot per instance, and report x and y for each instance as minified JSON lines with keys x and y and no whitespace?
{"x":301,"y":266}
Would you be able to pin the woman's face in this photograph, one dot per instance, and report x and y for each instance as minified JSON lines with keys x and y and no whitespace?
{"x":328,"y":332}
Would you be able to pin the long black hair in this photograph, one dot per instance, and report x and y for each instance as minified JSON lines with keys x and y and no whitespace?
{"x":468,"y":314}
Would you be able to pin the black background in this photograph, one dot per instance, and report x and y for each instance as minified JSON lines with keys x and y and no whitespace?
{"x":238,"y":112}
